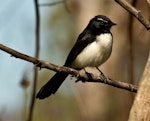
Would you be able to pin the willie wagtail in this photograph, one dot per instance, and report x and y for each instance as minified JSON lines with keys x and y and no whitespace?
{"x":92,"y":48}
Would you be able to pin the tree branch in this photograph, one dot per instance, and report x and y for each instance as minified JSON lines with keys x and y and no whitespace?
{"x":101,"y":78}
{"x":134,"y":12}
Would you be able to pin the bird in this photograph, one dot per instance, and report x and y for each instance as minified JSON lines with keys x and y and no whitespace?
{"x":91,"y":49}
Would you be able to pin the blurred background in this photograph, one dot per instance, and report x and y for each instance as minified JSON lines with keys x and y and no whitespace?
{"x":61,"y":24}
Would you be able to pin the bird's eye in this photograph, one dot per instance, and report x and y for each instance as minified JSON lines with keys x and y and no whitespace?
{"x":102,"y":22}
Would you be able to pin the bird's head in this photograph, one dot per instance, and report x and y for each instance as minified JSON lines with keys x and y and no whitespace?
{"x":101,"y":22}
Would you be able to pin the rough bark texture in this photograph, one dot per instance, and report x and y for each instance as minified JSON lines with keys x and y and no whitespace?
{"x":141,"y":107}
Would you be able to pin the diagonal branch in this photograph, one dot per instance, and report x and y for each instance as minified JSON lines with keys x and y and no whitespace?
{"x":101,"y":78}
{"x":134,"y":12}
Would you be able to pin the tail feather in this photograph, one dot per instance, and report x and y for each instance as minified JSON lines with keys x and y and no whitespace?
{"x":52,"y":85}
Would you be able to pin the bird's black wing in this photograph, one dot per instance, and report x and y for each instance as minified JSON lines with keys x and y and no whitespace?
{"x":83,"y":40}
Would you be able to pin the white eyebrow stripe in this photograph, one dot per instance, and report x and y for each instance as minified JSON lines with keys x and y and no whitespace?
{"x":102,"y":20}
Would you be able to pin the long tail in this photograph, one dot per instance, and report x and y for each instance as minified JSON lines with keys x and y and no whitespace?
{"x":52,"y":85}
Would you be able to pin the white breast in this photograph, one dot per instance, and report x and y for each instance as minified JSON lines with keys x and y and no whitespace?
{"x":95,"y":53}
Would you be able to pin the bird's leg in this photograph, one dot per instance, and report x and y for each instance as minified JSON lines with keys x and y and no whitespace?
{"x":88,"y":74}
{"x":99,"y":71}
{"x":105,"y":80}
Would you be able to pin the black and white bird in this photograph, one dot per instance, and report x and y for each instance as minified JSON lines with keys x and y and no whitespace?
{"x":92,"y":48}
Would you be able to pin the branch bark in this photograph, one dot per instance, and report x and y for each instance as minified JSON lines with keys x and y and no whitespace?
{"x":81,"y":75}
{"x":134,"y":12}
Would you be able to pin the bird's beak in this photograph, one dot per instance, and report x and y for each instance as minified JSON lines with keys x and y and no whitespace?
{"x":113,"y":24}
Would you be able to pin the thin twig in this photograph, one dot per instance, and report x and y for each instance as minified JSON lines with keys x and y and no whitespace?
{"x":134,"y":12}
{"x":51,"y":4}
{"x":37,"y":43}
{"x":56,"y":3}
{"x":43,"y":64}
